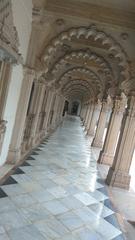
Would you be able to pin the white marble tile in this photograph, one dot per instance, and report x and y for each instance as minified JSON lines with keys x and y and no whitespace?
{"x":85,"y":198}
{"x":86,"y":214}
{"x":34,"y":213}
{"x":58,"y":192}
{"x":100,"y":210}
{"x":28,"y":232}
{"x":23,"y":200}
{"x":105,"y":229}
{"x":12,"y":219}
{"x":42,"y":196}
{"x":55,"y":207}
{"x":2,"y":230}
{"x":51,"y":229}
{"x":87,"y":234}
{"x":4,"y":237}
{"x":13,"y":189}
{"x":71,"y":202}
{"x":71,"y":220}
{"x":6,"y":205}
{"x":98,"y":195}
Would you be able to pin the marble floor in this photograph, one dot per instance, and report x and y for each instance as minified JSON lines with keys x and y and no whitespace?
{"x":58,"y":193}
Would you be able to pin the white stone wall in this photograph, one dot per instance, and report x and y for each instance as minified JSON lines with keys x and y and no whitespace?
{"x":22,"y":14}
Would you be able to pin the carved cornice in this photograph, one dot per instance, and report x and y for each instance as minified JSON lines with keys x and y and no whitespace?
{"x":9,"y":42}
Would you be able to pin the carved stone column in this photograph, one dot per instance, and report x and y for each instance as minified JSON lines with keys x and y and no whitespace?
{"x":94,"y":118}
{"x":5,"y":76}
{"x":55,"y":112}
{"x":108,"y":151}
{"x":87,"y":116}
{"x":48,"y":110}
{"x":98,"y":139}
{"x":118,"y":174}
{"x":60,"y":110}
{"x":38,"y":106}
{"x":18,"y":131}
{"x":90,"y":116}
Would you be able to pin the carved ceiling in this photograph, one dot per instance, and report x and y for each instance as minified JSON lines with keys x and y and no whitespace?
{"x":80,"y":58}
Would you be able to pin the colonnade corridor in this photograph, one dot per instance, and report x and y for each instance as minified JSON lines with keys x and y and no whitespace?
{"x":57,"y":193}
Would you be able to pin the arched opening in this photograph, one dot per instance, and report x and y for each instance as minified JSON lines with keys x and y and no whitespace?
{"x":75,"y":108}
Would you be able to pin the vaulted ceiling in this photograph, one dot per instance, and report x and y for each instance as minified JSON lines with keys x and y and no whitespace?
{"x":85,"y":49}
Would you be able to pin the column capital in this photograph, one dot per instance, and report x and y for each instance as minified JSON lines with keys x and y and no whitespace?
{"x":119,"y":105}
{"x":131,"y":106}
{"x":28,"y":71}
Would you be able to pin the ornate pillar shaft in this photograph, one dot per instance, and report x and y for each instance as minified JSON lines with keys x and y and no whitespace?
{"x":87,"y":116}
{"x":5,"y":76}
{"x":55,"y":111}
{"x":94,"y":118}
{"x":18,"y":131}
{"x":98,"y":139}
{"x":38,"y":106}
{"x":107,"y":153}
{"x":90,"y":116}
{"x":48,"y":110}
{"x":118,"y":174}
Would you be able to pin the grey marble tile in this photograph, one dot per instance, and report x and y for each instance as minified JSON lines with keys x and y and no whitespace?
{"x":23,"y":200}
{"x":12,"y":219}
{"x":13,"y":189}
{"x":85,"y":198}
{"x":28,"y":232}
{"x":42,"y":196}
{"x":55,"y":207}
{"x":58,"y":192}
{"x":4,"y":237}
{"x":34,"y":213}
{"x":71,"y":220}
{"x":51,"y":229}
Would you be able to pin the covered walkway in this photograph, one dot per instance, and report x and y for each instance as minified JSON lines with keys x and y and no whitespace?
{"x":58,"y":192}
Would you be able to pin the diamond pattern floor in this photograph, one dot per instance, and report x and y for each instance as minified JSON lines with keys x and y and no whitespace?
{"x":58,"y":193}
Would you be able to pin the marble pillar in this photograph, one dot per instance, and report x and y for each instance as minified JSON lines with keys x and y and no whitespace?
{"x":37,"y":110}
{"x":94,"y":118}
{"x":48,"y":110}
{"x":107,"y":153}
{"x":90,"y":116}
{"x":18,"y":131}
{"x":98,"y":139}
{"x":118,"y":175}
{"x":87,"y":117}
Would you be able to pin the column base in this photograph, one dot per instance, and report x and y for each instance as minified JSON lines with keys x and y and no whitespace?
{"x":118,"y":179}
{"x":105,"y":158}
{"x":91,"y":132}
{"x":14,"y":156}
{"x":96,"y":143}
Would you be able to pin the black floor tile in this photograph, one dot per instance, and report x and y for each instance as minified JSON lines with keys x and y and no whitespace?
{"x":18,"y":171}
{"x":9,"y":180}
{"x":113,"y":220}
{"x":34,"y":153}
{"x":38,"y":149}
{"x":30,"y":158}
{"x":99,"y":180}
{"x":103,"y":190}
{"x":25,"y":164}
{"x":108,"y":204}
{"x":2,"y":194}
{"x":120,"y":237}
